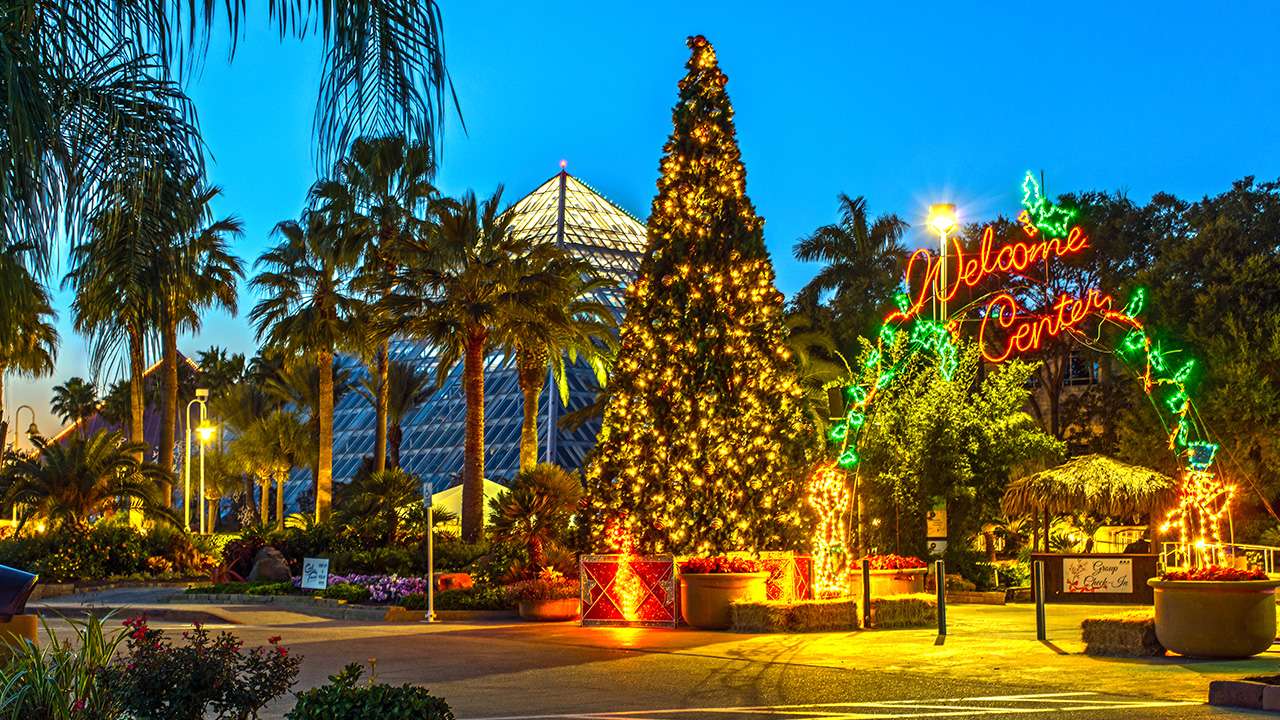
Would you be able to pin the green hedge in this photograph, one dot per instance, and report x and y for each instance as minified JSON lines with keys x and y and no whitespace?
{"x":343,"y":699}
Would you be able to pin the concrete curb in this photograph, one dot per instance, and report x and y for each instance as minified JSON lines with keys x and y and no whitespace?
{"x":340,"y":610}
{"x":48,"y":591}
{"x":1245,"y":694}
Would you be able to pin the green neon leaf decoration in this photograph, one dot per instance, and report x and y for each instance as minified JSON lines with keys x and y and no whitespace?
{"x":848,"y":459}
{"x":1137,"y":301}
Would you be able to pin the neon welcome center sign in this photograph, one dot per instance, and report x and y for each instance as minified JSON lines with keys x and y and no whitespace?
{"x":1007,"y":329}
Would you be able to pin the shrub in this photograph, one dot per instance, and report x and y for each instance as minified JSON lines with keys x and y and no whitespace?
{"x":719,"y":564}
{"x":456,"y":556}
{"x":237,"y":555}
{"x":280,"y":588}
{"x":57,"y":680}
{"x":477,"y":598}
{"x":346,"y":591}
{"x":343,"y":699}
{"x":549,"y":585}
{"x":157,"y":680}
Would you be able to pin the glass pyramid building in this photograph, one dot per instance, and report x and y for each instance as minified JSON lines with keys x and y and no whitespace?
{"x":565,"y":211}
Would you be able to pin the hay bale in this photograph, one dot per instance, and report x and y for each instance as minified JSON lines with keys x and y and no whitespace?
{"x":760,"y":615}
{"x":1130,"y":634}
{"x":835,"y":614}
{"x":904,"y":611}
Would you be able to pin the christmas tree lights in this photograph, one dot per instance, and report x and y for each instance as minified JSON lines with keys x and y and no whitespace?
{"x":705,"y":436}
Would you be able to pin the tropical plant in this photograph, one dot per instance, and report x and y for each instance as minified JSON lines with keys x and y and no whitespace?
{"x":295,"y":383}
{"x":535,"y":513}
{"x":462,"y":278}
{"x":220,"y":371}
{"x":61,"y":678}
{"x":69,"y":482}
{"x":407,"y":387}
{"x":89,"y":91}
{"x":268,"y":449}
{"x":375,"y":503}
{"x":376,"y":196}
{"x":195,"y":271}
{"x":344,"y":697}
{"x":818,"y":364}
{"x":74,"y":401}
{"x":307,"y":309}
{"x":31,"y":347}
{"x":862,"y":268}
{"x":560,"y":323}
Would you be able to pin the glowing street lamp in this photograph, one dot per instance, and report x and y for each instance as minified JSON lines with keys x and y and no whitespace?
{"x":942,"y":219}
{"x":205,"y":431}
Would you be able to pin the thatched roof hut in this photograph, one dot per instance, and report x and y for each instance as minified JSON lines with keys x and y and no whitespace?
{"x":1091,"y":483}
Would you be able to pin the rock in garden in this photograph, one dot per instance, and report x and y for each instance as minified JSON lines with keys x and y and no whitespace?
{"x":269,"y":566}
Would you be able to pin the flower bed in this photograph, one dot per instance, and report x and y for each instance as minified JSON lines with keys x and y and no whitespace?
{"x":1216,"y":573}
{"x":719,"y":564}
{"x":894,"y":562}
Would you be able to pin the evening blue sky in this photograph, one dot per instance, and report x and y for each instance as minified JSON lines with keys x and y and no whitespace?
{"x":903,"y":103}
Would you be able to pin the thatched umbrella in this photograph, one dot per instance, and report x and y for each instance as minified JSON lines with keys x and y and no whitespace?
{"x":1091,"y":483}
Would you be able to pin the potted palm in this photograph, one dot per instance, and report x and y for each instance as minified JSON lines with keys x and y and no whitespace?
{"x":1215,"y":612}
{"x":709,"y":585}
{"x":550,"y":597}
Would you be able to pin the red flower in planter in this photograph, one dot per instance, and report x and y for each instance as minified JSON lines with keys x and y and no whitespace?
{"x":1216,"y":573}
{"x":894,"y":562}
{"x":719,"y":564}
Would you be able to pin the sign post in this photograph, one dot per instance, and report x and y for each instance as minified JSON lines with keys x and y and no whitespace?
{"x":431,"y":561}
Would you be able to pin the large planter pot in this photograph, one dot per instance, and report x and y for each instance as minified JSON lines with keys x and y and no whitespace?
{"x":550,"y":610}
{"x":15,"y":630}
{"x":889,"y":582}
{"x":1215,"y":618}
{"x":705,"y":597}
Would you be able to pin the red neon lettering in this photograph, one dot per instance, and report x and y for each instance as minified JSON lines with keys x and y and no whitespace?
{"x":1031,"y":330}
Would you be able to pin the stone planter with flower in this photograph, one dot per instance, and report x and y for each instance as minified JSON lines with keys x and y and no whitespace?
{"x":710,"y":585}
{"x":550,"y":597}
{"x":1215,"y":612}
{"x":890,"y":575}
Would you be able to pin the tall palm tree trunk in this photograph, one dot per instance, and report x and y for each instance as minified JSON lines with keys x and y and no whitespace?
{"x":4,"y":424}
{"x":168,"y":404}
{"x":529,"y":372}
{"x":262,"y":505}
{"x":137,"y":400}
{"x":324,"y":470}
{"x":383,"y":400}
{"x":215,"y":506}
{"x":473,"y":452}
{"x":280,"y":502}
{"x":395,"y":437}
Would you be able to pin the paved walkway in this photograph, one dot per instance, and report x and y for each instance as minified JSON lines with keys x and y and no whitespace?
{"x":528,"y":671}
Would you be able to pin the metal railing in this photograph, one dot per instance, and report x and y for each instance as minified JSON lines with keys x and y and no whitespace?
{"x":1174,"y":554}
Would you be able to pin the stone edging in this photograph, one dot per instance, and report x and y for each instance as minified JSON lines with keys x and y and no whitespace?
{"x":47,"y":591}
{"x":338,"y":609}
{"x":1245,"y":694}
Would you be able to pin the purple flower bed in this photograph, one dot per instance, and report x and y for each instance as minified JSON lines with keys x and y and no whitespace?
{"x":382,"y":588}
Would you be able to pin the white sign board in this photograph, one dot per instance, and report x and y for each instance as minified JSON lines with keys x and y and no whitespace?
{"x":937,"y":548}
{"x":315,"y":573}
{"x":1097,"y":575}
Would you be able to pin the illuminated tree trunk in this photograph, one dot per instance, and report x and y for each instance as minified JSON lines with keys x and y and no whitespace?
{"x":137,"y":399}
{"x":265,"y":500}
{"x":382,"y":401}
{"x":473,"y":451}
{"x":531,"y":370}
{"x":168,"y":404}
{"x":324,"y":421}
{"x":280,"y":501}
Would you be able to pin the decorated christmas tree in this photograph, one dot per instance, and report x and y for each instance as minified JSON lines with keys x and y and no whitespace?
{"x":705,"y":439}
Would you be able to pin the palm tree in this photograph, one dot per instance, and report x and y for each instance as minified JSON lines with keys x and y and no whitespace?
{"x":307,"y":309}
{"x":72,"y":481}
{"x":74,"y":401}
{"x":863,"y":265}
{"x":818,"y":364}
{"x":407,"y":388}
{"x":89,"y":88}
{"x":195,"y":272}
{"x":536,"y":511}
{"x":377,"y":194}
{"x":30,"y":350}
{"x":112,"y":273}
{"x":462,"y":278}
{"x":562,"y":321}
{"x":219,"y":371}
{"x":295,"y":384}
{"x":380,"y":500}
{"x":268,"y":449}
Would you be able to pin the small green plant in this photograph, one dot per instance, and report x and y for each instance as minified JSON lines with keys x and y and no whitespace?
{"x":280,"y":588}
{"x":477,"y":598}
{"x":346,"y":591}
{"x":59,"y":679}
{"x":549,"y":585}
{"x":344,"y":699}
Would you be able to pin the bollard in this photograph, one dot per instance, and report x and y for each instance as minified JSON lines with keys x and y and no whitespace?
{"x":430,"y":616}
{"x":1038,"y":582}
{"x":866,"y":594}
{"x":940,"y":579}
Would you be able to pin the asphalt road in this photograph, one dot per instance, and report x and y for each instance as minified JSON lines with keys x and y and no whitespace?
{"x":520,"y":671}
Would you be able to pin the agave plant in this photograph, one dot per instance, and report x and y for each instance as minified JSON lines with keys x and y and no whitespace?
{"x":59,"y":679}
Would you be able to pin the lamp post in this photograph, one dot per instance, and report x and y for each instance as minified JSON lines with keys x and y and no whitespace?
{"x":205,"y":432}
{"x":942,"y":219}
{"x":32,"y":433}
{"x":202,"y":394}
